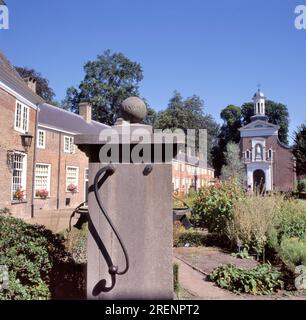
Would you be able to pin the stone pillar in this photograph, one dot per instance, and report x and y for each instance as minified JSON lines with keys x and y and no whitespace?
{"x":137,"y":197}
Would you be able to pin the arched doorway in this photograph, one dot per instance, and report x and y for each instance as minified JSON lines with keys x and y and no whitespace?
{"x":259,"y":181}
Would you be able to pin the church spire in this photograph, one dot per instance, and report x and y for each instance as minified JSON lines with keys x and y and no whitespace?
{"x":259,"y":100}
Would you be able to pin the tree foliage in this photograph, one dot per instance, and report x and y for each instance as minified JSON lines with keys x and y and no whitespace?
{"x":231,"y":116}
{"x":188,"y":114}
{"x":277,"y":114}
{"x":234,"y":167}
{"x":43,"y":88}
{"x":299,"y":149}
{"x":108,"y":80}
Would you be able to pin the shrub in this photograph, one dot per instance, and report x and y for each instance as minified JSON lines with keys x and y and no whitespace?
{"x":186,"y":201}
{"x":264,"y":279}
{"x":29,"y":252}
{"x":290,"y":220}
{"x":252,"y":220}
{"x":181,"y":236}
{"x":213,"y":205}
{"x":292,"y":252}
{"x":190,"y":238}
{"x":76,"y":244}
{"x":301,"y":186}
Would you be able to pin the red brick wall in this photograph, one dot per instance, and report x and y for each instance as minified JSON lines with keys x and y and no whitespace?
{"x":53,"y":154}
{"x":283,"y":174}
{"x":11,"y":140}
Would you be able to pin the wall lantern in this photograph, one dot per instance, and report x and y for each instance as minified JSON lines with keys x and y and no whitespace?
{"x":26,"y":140}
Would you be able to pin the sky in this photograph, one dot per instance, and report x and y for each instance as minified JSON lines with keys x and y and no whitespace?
{"x":220,"y":50}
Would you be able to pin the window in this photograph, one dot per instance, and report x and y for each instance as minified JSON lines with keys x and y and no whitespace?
{"x":270,"y":154}
{"x":19,"y":176}
{"x":21,"y":117}
{"x":247,"y":155}
{"x":69,"y":146}
{"x":41,"y":139}
{"x":72,"y":178}
{"x":42,"y":177}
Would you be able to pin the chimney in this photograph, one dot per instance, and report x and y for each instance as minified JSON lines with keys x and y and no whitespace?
{"x":31,"y":82}
{"x":85,"y":111}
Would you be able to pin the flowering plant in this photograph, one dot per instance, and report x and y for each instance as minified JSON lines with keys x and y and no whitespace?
{"x":72,"y":188}
{"x":42,"y":193}
{"x":19,"y":194}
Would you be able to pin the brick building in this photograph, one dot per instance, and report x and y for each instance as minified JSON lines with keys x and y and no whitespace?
{"x":269,"y":164}
{"x":190,"y":173}
{"x":60,"y":167}
{"x":18,"y":107}
{"x":61,"y":171}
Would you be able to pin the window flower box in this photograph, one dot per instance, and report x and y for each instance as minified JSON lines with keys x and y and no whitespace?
{"x":72,"y":188}
{"x":19,"y":194}
{"x":42,"y":193}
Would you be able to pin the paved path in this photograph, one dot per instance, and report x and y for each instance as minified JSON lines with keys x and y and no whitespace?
{"x":196,"y":284}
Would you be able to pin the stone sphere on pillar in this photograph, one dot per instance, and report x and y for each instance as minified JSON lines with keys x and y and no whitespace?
{"x":133,"y":109}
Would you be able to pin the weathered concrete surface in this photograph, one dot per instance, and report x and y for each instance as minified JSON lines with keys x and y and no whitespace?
{"x":140,"y":207}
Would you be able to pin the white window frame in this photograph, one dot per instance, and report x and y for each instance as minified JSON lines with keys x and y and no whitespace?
{"x":71,"y":148}
{"x":48,"y":178}
{"x":77,"y":176}
{"x":23,"y":182}
{"x":24,"y":110}
{"x":43,"y":146}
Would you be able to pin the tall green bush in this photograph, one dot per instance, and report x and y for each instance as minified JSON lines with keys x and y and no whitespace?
{"x":252,"y":220}
{"x":214,"y":205}
{"x":292,"y":251}
{"x":289,"y":222}
{"x":29,"y":252}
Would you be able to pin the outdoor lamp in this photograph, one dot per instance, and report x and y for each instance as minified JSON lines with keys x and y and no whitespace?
{"x":26,"y":140}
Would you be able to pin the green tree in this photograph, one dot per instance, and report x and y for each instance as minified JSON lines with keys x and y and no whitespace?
{"x":277,"y":114}
{"x":231,"y":116}
{"x":188,"y":114}
{"x":108,"y":80}
{"x":299,"y":149}
{"x":234,"y":167}
{"x":43,"y":88}
{"x":151,"y":116}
